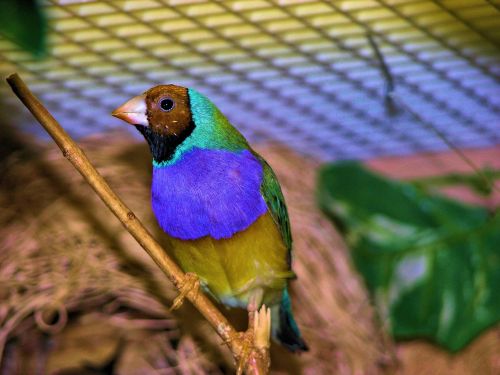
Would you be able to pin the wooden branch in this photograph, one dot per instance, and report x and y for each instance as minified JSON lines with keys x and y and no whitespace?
{"x":77,"y":157}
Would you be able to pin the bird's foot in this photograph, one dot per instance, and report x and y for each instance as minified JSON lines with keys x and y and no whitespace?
{"x":247,"y":339}
{"x":190,"y":284}
{"x":262,"y":328}
{"x":256,"y":338}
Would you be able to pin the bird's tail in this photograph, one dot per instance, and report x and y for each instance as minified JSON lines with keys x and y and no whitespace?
{"x":284,"y":327}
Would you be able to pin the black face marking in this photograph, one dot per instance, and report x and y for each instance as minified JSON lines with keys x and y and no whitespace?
{"x":163,"y":146}
{"x":166,"y":104}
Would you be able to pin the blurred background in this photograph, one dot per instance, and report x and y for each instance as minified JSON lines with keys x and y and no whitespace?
{"x":410,"y":89}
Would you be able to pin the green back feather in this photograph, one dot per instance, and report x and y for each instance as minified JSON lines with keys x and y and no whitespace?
{"x":271,"y":191}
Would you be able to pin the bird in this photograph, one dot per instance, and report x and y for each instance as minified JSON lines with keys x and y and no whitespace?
{"x":220,"y":204}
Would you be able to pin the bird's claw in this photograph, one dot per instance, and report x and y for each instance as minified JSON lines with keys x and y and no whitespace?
{"x":262,"y":328}
{"x":256,"y":338}
{"x":247,"y":339}
{"x":190,"y":284}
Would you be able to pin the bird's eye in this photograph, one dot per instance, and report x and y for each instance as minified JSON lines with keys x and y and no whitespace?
{"x":167,"y":104}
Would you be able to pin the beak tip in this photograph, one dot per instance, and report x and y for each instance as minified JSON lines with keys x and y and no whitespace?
{"x":127,"y":117}
{"x":133,"y":111}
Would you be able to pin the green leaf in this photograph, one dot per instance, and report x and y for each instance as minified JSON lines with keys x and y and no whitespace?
{"x":480,"y":182}
{"x":24,"y":23}
{"x":431,"y":264}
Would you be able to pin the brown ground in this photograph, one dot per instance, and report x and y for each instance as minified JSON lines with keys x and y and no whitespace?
{"x":79,"y":296}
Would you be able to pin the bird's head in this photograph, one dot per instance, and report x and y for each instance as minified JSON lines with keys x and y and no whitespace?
{"x":175,"y":119}
{"x":163,"y":115}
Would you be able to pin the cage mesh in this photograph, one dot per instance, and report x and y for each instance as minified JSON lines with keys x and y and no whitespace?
{"x":300,"y":72}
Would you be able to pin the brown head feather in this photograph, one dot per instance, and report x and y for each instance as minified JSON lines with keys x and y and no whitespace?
{"x":173,"y":122}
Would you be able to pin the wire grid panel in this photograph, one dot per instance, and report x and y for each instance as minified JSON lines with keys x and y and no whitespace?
{"x":300,"y":72}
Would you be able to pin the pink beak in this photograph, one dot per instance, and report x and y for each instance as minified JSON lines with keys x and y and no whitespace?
{"x":133,"y":111}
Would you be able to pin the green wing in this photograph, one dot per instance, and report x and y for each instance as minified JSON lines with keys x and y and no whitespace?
{"x":271,"y":191}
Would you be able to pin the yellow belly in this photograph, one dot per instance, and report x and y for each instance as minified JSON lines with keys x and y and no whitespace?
{"x":232,"y":268}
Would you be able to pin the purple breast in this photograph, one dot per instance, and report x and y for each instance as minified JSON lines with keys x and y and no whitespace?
{"x":208,"y":193}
